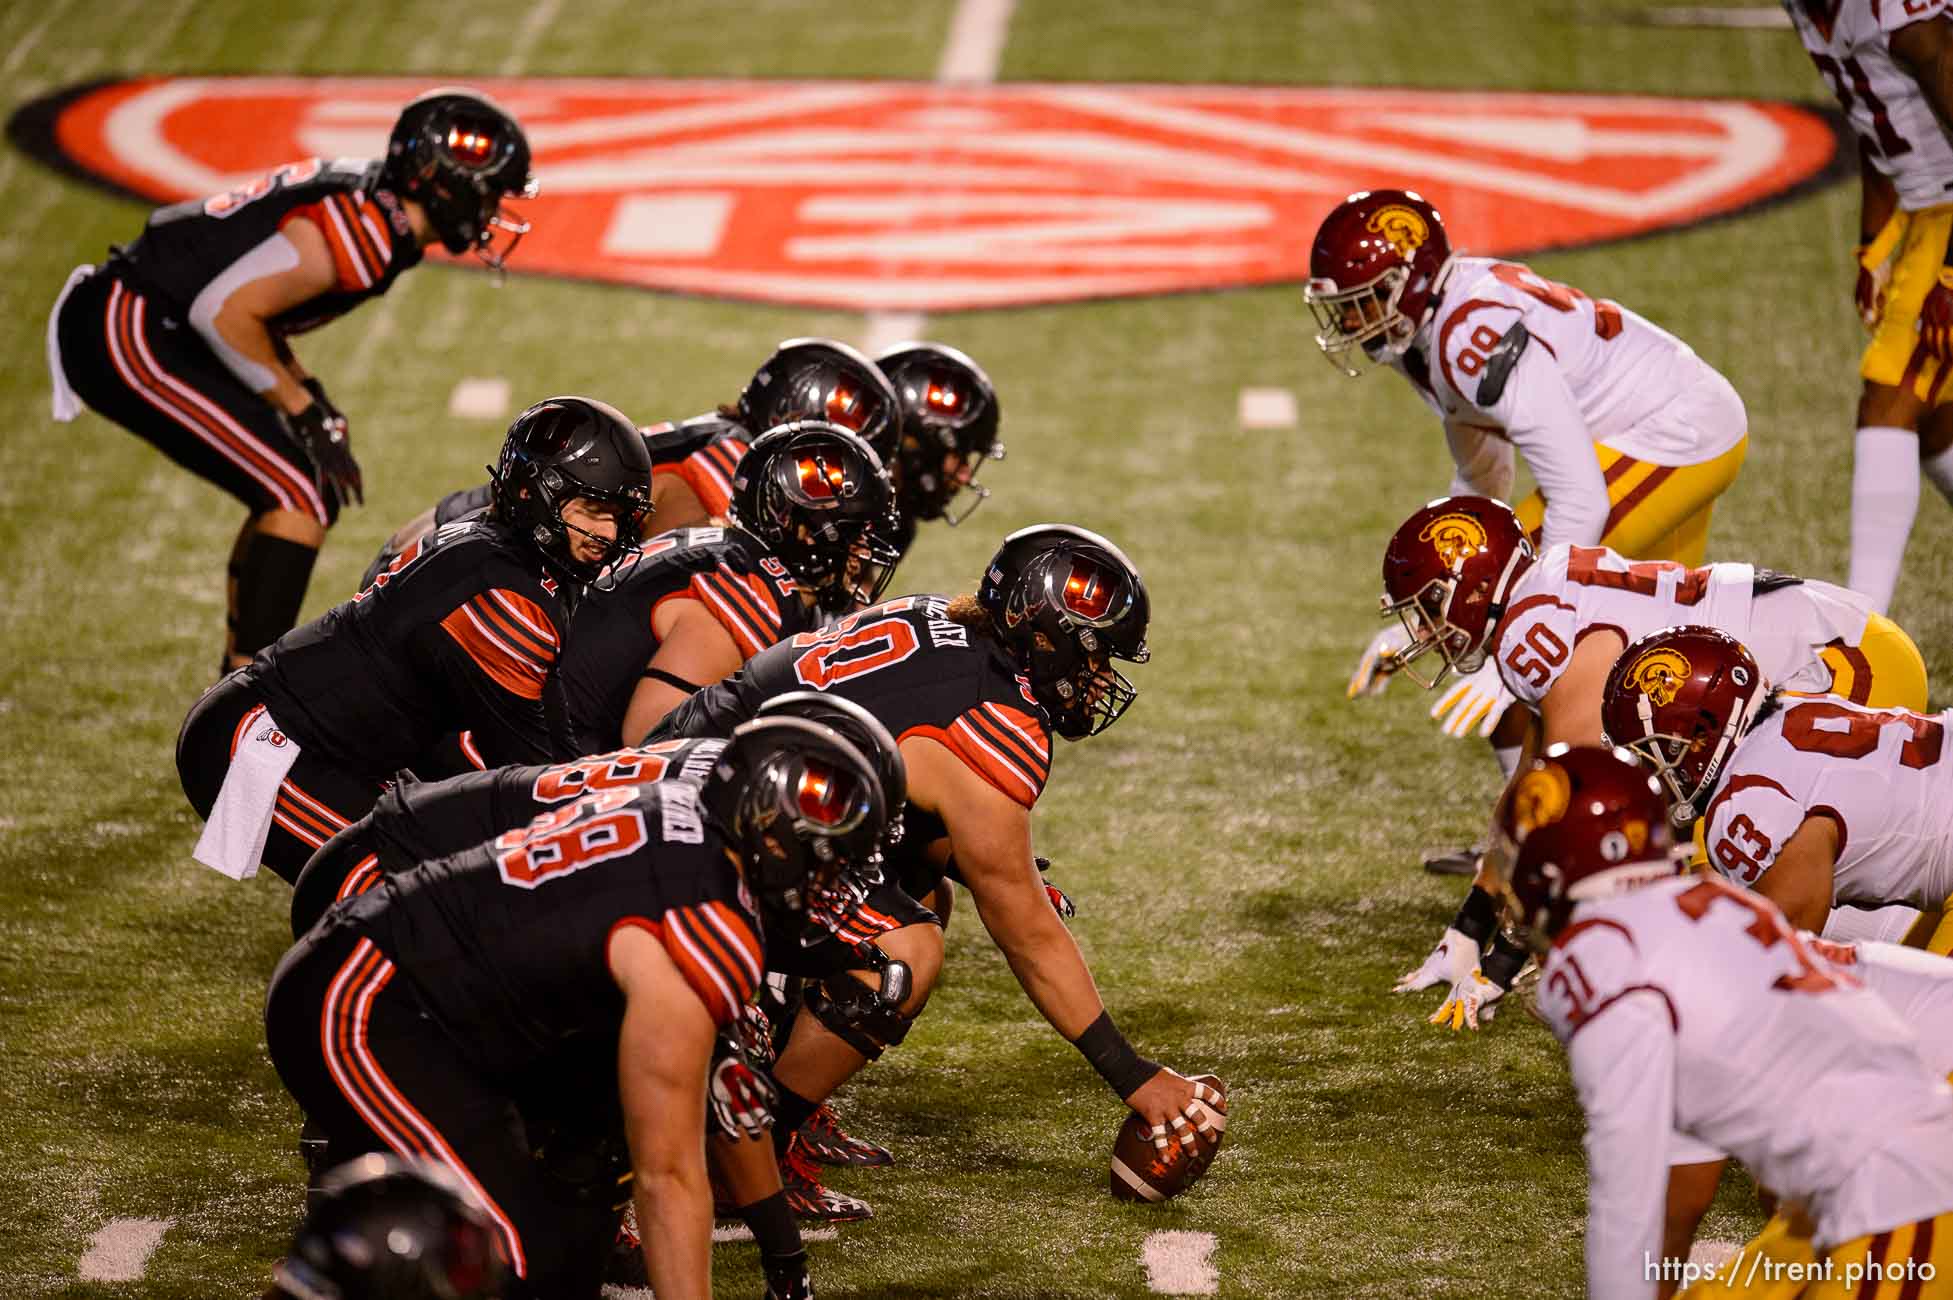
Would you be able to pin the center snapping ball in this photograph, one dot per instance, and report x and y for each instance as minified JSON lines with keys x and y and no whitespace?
{"x":1142,"y":1171}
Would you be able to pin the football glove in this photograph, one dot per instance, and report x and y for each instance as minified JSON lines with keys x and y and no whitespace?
{"x":1471,"y":1000}
{"x":742,"y":1097}
{"x":1060,"y":901}
{"x":1451,"y":962}
{"x":1379,"y":662}
{"x":1473,"y":705}
{"x":1936,"y":317}
{"x":322,"y":432}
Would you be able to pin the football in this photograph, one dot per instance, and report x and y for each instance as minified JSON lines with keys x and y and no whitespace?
{"x":1142,"y":1172}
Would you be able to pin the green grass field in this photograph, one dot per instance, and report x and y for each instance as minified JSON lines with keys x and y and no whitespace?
{"x":1243,"y":845}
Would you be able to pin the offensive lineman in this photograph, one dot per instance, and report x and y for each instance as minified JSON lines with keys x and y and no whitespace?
{"x":1630,"y":436}
{"x":1464,"y":581}
{"x":226,"y":398}
{"x":1889,"y":65}
{"x":1696,"y":1020}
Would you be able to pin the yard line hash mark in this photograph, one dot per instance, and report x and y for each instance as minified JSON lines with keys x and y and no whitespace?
{"x":1181,"y":1263}
{"x":121,"y":1250}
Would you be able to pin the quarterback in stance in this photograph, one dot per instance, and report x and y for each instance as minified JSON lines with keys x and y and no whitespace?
{"x":1630,"y":436}
{"x":1698,"y":1023}
{"x":226,"y":398}
{"x":1889,"y":65}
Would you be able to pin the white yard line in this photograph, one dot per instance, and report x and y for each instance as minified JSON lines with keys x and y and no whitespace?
{"x":1267,"y":408}
{"x":740,"y":1232}
{"x":537,"y":22}
{"x":119,"y":1252}
{"x":479,"y":399}
{"x":1181,"y":1263}
{"x":25,"y":45}
{"x":970,"y":58}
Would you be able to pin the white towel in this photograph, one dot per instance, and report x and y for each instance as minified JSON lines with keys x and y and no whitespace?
{"x":66,"y":405}
{"x":233,"y":838}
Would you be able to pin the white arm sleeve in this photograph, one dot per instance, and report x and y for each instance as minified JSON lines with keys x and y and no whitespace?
{"x":1482,"y":461}
{"x":275,"y":255}
{"x":1539,"y":414}
{"x":1624,"y":1070}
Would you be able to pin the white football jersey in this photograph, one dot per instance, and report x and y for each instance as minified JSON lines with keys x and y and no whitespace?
{"x":1883,"y":775}
{"x":1590,"y":371}
{"x":1892,"y":118}
{"x":1571,"y":591}
{"x":1689,"y":1007}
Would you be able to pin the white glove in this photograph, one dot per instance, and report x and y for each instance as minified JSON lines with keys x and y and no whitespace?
{"x":1473,"y":703}
{"x":742,"y":1098}
{"x":1470,"y":1002}
{"x":1379,"y":661}
{"x":1453,"y":960}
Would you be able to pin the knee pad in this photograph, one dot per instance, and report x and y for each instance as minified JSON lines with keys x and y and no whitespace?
{"x":868,"y":1020}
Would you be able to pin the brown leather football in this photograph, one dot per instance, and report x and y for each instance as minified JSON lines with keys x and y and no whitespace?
{"x":1143,"y":1172}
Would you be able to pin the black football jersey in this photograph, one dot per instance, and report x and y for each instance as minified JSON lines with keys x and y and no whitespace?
{"x":506,"y":944}
{"x":916,"y":671}
{"x":703,"y":451}
{"x":419,"y":821}
{"x":728,"y":571}
{"x":187,"y":245}
{"x":462,"y":632}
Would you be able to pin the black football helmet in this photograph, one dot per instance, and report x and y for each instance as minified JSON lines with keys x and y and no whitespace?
{"x":562,"y":449}
{"x":1067,"y":602}
{"x":817,"y":496}
{"x":383,"y":1228}
{"x":801,"y":807}
{"x":949,"y":428}
{"x":458,"y":154}
{"x":820,"y":379}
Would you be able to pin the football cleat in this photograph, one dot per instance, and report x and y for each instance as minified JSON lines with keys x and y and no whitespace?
{"x":807,"y":1198}
{"x":828,"y":1144}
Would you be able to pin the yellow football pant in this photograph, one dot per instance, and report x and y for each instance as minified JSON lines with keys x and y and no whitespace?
{"x":1894,"y":357}
{"x":1884,"y":670}
{"x":1891,"y":1265}
{"x":1655,"y":512}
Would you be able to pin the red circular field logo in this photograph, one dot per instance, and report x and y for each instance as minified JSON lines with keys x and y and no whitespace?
{"x":905,"y":196}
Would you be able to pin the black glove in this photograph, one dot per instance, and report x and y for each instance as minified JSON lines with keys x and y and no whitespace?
{"x":322,"y":432}
{"x":787,"y":1277}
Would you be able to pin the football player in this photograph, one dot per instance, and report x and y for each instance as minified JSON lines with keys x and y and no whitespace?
{"x":973,"y":688}
{"x":1630,"y":436}
{"x":1814,"y":803}
{"x":810,"y":504}
{"x":692,"y":463}
{"x":463,"y":633}
{"x":1697,"y":1021}
{"x":1469,"y":589}
{"x":226,"y":398}
{"x":949,"y":428}
{"x":1891,"y":67}
{"x":383,"y":1228}
{"x":631,"y":916}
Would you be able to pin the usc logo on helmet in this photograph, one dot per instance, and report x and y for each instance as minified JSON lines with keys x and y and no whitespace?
{"x":1455,"y":537}
{"x":1659,"y":674}
{"x":1401,"y":227}
{"x":1540,"y":799}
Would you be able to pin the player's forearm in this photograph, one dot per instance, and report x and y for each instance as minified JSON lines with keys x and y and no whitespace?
{"x":1044,"y":957}
{"x":674,"y":1218}
{"x":247,"y":346}
{"x":1878,"y":201}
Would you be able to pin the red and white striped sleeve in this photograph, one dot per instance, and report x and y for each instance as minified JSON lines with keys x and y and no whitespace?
{"x":509,"y":637}
{"x":1005,"y":746}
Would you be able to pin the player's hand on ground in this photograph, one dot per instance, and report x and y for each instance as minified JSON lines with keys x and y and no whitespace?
{"x":1471,"y":1000}
{"x":1166,"y":1102}
{"x":322,"y":432}
{"x":1453,"y":960}
{"x":1936,"y":317}
{"x":1379,"y":662}
{"x":742,"y":1097}
{"x":1473,"y":705}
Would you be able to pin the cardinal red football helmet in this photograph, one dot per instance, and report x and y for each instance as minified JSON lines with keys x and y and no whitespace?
{"x":1585,"y":824}
{"x":1680,"y":699}
{"x":1374,"y":272}
{"x":1446,"y":574}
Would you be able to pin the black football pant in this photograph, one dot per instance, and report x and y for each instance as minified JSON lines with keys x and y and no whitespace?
{"x":317,"y":800}
{"x":344,"y":866}
{"x":374,"y":1073}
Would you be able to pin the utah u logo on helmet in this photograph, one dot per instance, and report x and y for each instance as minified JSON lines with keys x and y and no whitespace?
{"x":1659,"y":674}
{"x":1403,"y":228}
{"x":1455,"y":537}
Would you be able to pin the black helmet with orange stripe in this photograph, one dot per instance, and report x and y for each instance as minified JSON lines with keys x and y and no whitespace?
{"x":383,"y":1228}
{"x":821,"y":379}
{"x":458,"y":154}
{"x":817,"y":496}
{"x":1067,"y":602}
{"x":562,"y":449}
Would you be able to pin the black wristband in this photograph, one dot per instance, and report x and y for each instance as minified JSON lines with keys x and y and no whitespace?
{"x":1478,"y":918}
{"x":1505,"y":960}
{"x":1123,"y":1069}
